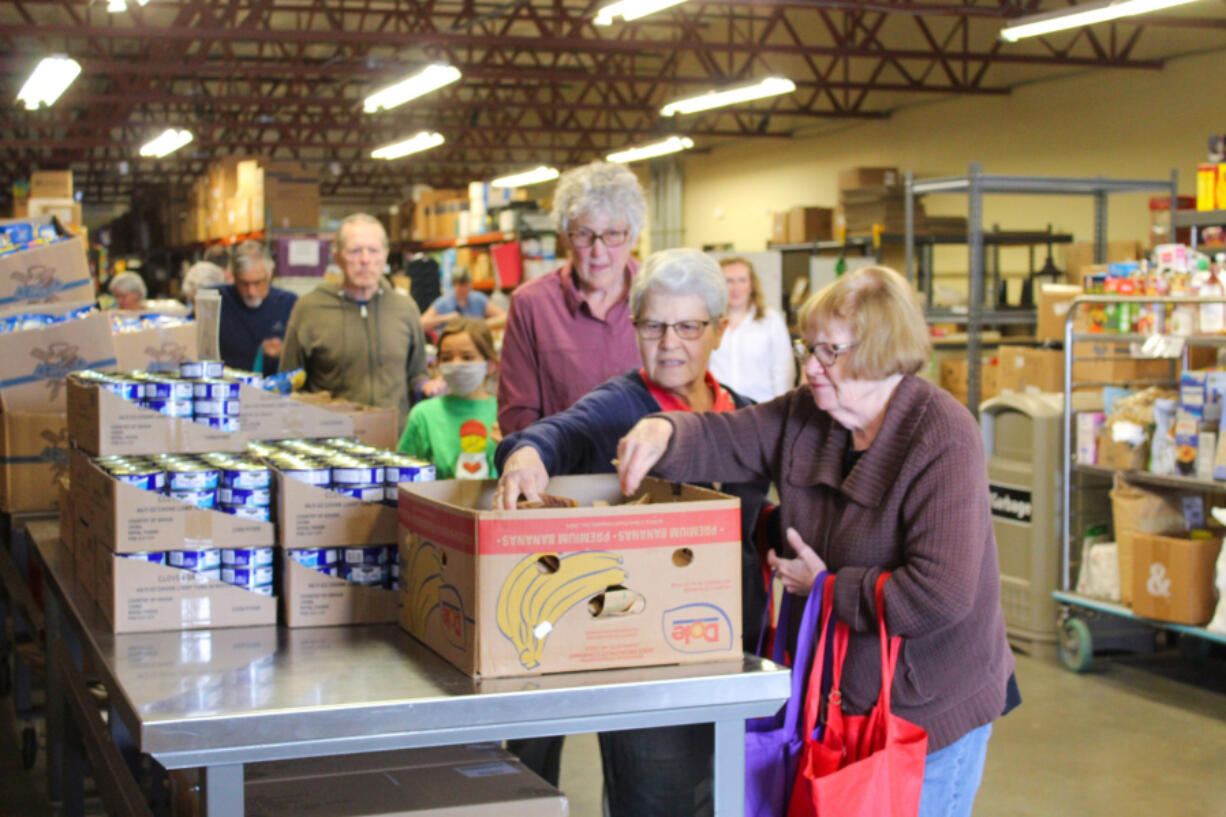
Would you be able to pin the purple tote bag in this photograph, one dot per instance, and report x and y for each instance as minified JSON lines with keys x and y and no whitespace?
{"x":772,"y":743}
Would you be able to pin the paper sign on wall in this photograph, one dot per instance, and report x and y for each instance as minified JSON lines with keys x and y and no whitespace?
{"x":303,"y":252}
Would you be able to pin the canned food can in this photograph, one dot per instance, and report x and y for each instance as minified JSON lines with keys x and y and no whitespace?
{"x":148,"y":479}
{"x":329,"y":570}
{"x":357,"y":473}
{"x":246,"y":557}
{"x":255,"y":497}
{"x":191,"y":476}
{"x":313,"y":557}
{"x":215,"y":389}
{"x":212,"y":573}
{"x":408,"y":469}
{"x":197,"y":560}
{"x":158,"y":557}
{"x":165,"y":388}
{"x":366,"y":493}
{"x":248,"y":476}
{"x":205,"y":499}
{"x":226,"y":424}
{"x":369,"y":555}
{"x":318,"y":475}
{"x":218,"y":408}
{"x":197,"y":369}
{"x":129,"y":390}
{"x":391,"y":494}
{"x":171,"y":408}
{"x":247,"y":576}
{"x":262,"y":589}
{"x":364,"y":574}
{"x":246,"y":378}
{"x":258,"y":513}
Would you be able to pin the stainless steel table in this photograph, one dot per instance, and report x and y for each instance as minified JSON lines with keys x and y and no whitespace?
{"x":217,"y":699}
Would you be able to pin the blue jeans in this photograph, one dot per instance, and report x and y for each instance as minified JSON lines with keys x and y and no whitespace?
{"x":952,"y":775}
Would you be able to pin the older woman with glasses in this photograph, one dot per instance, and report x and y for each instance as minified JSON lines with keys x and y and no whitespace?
{"x":877,"y":470}
{"x":678,"y":301}
{"x":570,"y":330}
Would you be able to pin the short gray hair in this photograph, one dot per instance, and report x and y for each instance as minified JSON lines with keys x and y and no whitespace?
{"x":358,"y":218}
{"x":128,"y":282}
{"x":250,"y":254}
{"x":600,"y":187}
{"x":681,"y":271}
{"x":201,"y":275}
{"x":461,"y":275}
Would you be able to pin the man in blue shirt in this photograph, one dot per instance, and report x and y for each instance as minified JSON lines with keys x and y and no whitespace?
{"x":254,"y":313}
{"x":463,"y":302}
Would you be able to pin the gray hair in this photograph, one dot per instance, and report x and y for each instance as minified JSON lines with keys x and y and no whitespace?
{"x":251,"y":254}
{"x":358,"y":218}
{"x":681,"y":271}
{"x":128,"y":282}
{"x":461,"y":275}
{"x":201,"y":275}
{"x":600,"y":187}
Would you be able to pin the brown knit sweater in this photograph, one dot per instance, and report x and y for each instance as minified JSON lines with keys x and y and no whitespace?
{"x":915,"y":503}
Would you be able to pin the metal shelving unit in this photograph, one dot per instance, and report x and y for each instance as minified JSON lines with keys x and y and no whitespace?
{"x":1197,"y":219}
{"x":1076,"y":644}
{"x":975,"y":185}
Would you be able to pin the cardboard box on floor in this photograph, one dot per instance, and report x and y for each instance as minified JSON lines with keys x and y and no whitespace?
{"x":127,"y":519}
{"x":1028,"y":369}
{"x":311,"y":599}
{"x":33,"y":457}
{"x":953,"y":374}
{"x":313,"y":517}
{"x":34,"y":362}
{"x":532,"y":591}
{"x":53,"y":272}
{"x":1172,"y":577}
{"x":157,"y":349}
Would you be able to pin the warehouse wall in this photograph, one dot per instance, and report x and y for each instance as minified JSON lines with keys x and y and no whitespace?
{"x":1124,"y":123}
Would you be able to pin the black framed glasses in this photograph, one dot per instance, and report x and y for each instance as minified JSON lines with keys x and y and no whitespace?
{"x":586,"y":238}
{"x":826,"y":353}
{"x":686,"y":330}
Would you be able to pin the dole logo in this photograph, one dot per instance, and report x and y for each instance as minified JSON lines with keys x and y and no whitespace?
{"x":695,"y":628}
{"x":451,"y":616}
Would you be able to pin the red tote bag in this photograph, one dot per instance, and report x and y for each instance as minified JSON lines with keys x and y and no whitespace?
{"x":858,"y":765}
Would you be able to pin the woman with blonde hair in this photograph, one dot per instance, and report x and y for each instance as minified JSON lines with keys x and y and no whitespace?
{"x":755,"y":356}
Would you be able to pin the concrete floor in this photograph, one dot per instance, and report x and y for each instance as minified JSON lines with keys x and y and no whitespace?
{"x":1138,"y":736}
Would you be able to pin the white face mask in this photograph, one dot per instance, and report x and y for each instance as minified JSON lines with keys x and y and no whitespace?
{"x":463,"y":378}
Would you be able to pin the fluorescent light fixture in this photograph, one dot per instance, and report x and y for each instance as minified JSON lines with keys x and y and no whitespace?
{"x":428,"y":79}
{"x":632,"y":10}
{"x":1081,"y":15}
{"x":414,"y":144}
{"x":166,"y":143}
{"x":672,"y":144}
{"x":50,"y":78}
{"x":771,"y":86}
{"x":534,"y":176}
{"x":116,"y":6}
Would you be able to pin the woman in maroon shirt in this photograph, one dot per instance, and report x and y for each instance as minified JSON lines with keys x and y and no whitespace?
{"x":876,"y":470}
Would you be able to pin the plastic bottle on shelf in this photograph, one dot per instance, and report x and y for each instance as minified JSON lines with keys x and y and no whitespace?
{"x":1212,"y":316}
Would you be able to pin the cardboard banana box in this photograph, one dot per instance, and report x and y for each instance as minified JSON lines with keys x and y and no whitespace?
{"x":501,"y":593}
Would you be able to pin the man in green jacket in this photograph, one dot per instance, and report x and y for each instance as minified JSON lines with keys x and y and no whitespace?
{"x":359,"y":340}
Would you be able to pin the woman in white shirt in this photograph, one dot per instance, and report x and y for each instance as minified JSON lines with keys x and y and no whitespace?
{"x":755,"y":356}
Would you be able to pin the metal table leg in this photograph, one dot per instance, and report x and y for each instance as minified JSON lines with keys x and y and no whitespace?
{"x":729,"y":768}
{"x":221,"y":790}
{"x":55,"y":702}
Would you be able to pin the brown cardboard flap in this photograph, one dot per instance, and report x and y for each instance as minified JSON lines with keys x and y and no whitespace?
{"x":313,"y":599}
{"x":269,"y":416}
{"x":34,"y":362}
{"x":316,"y":517}
{"x":53,"y":272}
{"x":139,"y":596}
{"x":33,"y":457}
{"x":157,"y":349}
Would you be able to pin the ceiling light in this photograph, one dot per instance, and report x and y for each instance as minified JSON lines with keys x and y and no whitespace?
{"x":430,"y":78}
{"x":50,"y":78}
{"x":672,"y":144}
{"x":166,"y":143}
{"x":116,"y":6}
{"x":1080,"y":15}
{"x":771,"y":86}
{"x":534,"y":176}
{"x":422,"y":141}
{"x":632,"y":10}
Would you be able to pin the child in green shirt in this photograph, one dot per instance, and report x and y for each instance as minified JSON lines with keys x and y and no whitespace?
{"x":458,"y":431}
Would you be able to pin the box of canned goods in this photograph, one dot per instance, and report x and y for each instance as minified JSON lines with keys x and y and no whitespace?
{"x":312,"y":515}
{"x":247,"y":576}
{"x":316,"y":591}
{"x":246,"y":557}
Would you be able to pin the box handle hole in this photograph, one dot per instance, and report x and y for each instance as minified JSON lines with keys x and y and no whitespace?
{"x":548,"y":563}
{"x":682,"y":557}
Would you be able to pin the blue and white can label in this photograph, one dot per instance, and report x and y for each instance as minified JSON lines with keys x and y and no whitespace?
{"x":246,"y":557}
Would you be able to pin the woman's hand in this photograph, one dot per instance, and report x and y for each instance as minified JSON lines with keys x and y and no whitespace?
{"x":640,"y":449}
{"x":522,"y":473}
{"x":797,"y":574}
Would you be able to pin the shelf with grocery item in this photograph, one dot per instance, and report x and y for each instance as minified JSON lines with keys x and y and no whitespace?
{"x":483,"y":239}
{"x":1199,"y":218}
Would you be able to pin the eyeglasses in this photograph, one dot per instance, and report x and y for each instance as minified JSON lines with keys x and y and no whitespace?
{"x":826,"y":353}
{"x":686,"y":330}
{"x":586,"y":238}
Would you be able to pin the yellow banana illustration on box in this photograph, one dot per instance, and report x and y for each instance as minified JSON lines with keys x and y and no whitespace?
{"x":539,"y":590}
{"x":426,"y":591}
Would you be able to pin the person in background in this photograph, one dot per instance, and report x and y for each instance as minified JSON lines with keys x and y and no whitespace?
{"x":358,"y":339}
{"x":254,"y":313}
{"x":462,"y":303}
{"x":755,"y":356}
{"x":200,"y":275}
{"x":569,"y":331}
{"x":219,"y":254}
{"x":877,"y":470}
{"x":129,"y":290}
{"x":458,"y":431}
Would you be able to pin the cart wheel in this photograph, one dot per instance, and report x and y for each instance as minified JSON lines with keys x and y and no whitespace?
{"x":6,"y":677}
{"x":29,"y":748}
{"x":1193,"y":649}
{"x":1076,"y":646}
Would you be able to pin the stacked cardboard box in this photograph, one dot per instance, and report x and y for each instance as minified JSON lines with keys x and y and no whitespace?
{"x":51,"y":194}
{"x":240,"y":195}
{"x":800,"y":225}
{"x":436,"y":214}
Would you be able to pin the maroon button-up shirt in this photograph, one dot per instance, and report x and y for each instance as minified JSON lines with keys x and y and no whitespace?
{"x":555,"y":351}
